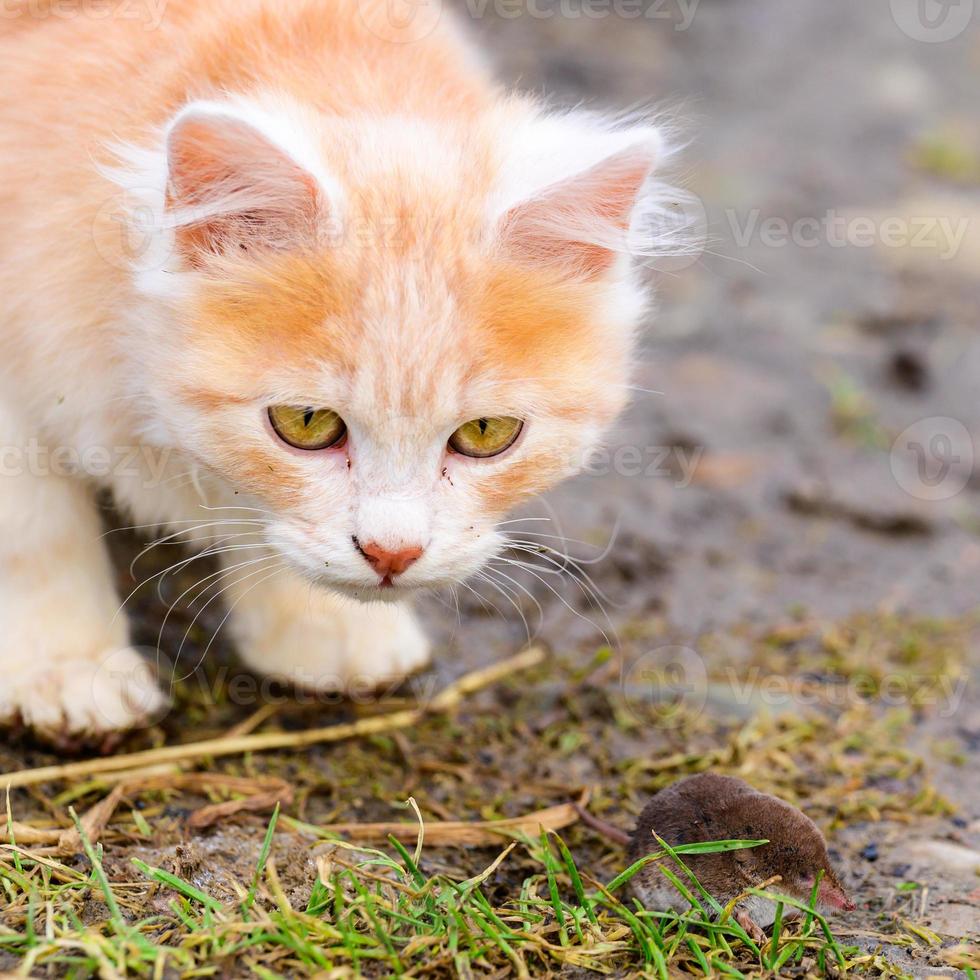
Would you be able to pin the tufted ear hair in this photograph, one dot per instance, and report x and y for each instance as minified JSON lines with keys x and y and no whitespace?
{"x":233,"y":184}
{"x":578,"y":193}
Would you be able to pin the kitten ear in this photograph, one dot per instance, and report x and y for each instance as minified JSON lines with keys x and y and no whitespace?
{"x":581,"y":215}
{"x":232,"y":185}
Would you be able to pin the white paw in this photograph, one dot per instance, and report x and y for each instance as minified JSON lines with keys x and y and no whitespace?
{"x":337,"y":646}
{"x":84,"y":696}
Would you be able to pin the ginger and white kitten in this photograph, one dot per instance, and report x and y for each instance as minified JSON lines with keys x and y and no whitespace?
{"x":306,"y":289}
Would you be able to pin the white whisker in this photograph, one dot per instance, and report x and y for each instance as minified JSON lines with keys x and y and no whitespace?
{"x":255,"y":510}
{"x":563,"y":570}
{"x":156,"y":524}
{"x":563,"y":600}
{"x":519,"y":589}
{"x":275,"y":571}
{"x":222,"y":587}
{"x":486,"y":603}
{"x":192,"y":530}
{"x":220,"y":575}
{"x":521,"y":520}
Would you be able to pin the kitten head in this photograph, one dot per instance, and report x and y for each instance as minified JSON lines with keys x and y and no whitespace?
{"x":390,"y":331}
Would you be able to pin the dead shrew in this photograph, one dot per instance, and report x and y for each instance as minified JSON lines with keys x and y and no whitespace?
{"x":710,"y":807}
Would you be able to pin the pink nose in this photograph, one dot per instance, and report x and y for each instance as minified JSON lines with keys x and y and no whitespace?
{"x":387,"y":563}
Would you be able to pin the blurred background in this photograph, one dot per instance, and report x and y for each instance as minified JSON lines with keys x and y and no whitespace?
{"x":836,"y":150}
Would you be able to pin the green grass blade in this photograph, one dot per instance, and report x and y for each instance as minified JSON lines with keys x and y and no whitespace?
{"x":413,"y":868}
{"x":576,"y":879}
{"x":184,"y":888}
{"x":777,"y":927}
{"x":699,"y":956}
{"x":261,"y":863}
{"x":96,"y":861}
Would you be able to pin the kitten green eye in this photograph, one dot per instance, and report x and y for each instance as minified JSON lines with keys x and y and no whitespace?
{"x":485,"y":437}
{"x":307,"y":428}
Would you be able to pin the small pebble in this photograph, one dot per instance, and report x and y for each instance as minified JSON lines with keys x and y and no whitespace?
{"x":870,"y":852}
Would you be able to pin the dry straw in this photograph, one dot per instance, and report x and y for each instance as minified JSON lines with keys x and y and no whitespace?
{"x":135,"y":764}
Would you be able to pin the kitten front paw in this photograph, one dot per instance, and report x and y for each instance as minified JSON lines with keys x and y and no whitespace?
{"x":81,"y":698}
{"x":335,"y":646}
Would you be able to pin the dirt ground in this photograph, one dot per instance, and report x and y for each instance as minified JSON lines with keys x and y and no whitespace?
{"x":787,"y":522}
